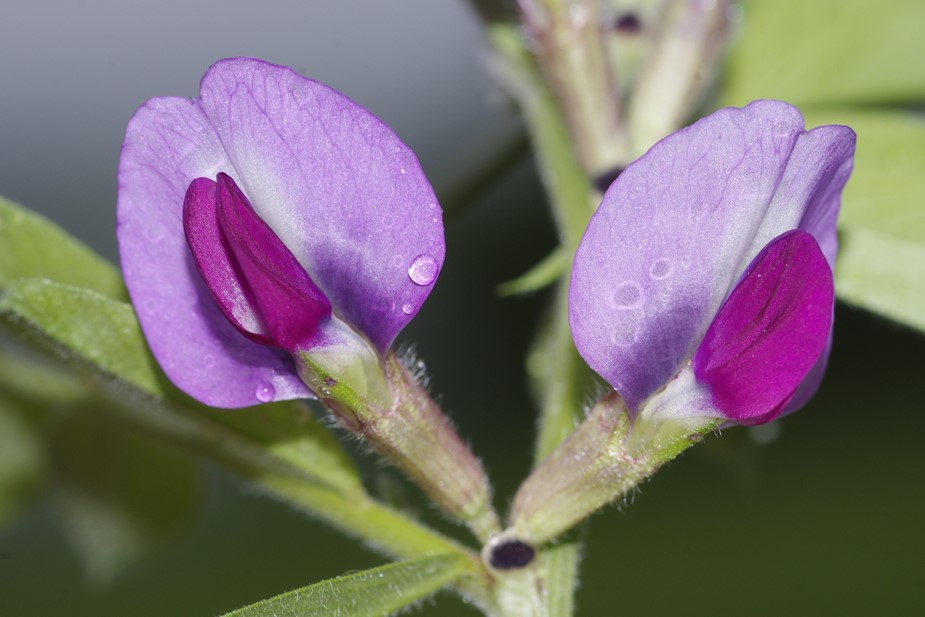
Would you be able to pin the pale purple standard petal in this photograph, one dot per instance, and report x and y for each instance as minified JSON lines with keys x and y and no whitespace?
{"x":678,"y":227}
{"x":338,"y":187}
{"x":770,"y":332}
{"x":168,"y":144}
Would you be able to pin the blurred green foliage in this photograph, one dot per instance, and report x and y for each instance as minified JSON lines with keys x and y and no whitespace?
{"x":825,"y":520}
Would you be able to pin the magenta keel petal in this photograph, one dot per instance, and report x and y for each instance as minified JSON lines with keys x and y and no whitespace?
{"x":770,"y":332}
{"x":204,"y":236}
{"x":280,"y":291}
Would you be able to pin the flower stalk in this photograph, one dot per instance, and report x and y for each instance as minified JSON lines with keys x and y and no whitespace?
{"x":411,"y":432}
{"x":683,"y":61}
{"x":607,"y":456}
{"x":573,"y":54}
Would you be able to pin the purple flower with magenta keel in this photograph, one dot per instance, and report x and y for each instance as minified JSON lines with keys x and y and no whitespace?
{"x":270,"y":219}
{"x":703,"y":285}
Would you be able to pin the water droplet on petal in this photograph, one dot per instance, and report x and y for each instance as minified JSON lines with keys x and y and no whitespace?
{"x":661,"y":269}
{"x":407,"y":308}
{"x":402,"y":171}
{"x":625,"y":338}
{"x":423,"y":270}
{"x":155,"y":231}
{"x":627,"y":295}
{"x":265,"y":392}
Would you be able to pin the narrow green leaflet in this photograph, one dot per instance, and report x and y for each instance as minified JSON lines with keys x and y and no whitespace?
{"x":29,"y":376}
{"x":291,"y":432}
{"x":828,"y":51}
{"x":881,"y":264}
{"x":33,"y":246}
{"x":371,"y":593}
{"x":85,"y":325}
{"x":549,"y":270}
{"x":104,"y":335}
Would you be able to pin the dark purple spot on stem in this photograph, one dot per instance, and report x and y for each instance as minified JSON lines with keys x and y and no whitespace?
{"x":511,"y":555}
{"x":628,"y":23}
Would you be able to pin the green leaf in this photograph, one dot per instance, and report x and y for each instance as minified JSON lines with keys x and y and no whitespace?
{"x":881,"y":263}
{"x":290,"y":431}
{"x":33,"y":246}
{"x":883,"y":275}
{"x":85,"y":325}
{"x":29,"y":376}
{"x":104,"y":336}
{"x":120,"y":493}
{"x":828,"y":51}
{"x":372,"y":593}
{"x":543,"y":274}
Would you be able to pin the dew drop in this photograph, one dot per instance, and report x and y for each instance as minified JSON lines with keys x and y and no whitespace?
{"x":627,"y":295}
{"x":402,"y":171}
{"x":661,"y":269}
{"x":423,"y":270}
{"x":265,"y":392}
{"x":154,"y":231}
{"x":407,"y":308}
{"x":625,"y":338}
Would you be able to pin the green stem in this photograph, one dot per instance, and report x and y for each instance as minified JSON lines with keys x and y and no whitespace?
{"x":560,"y":565}
{"x":347,"y":508}
{"x":573,"y":53}
{"x":560,"y":376}
{"x":682,"y":63}
{"x":607,"y":456}
{"x":565,"y":180}
{"x":413,"y":434}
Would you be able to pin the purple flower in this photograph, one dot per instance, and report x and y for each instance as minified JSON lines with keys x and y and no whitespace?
{"x":703,"y":284}
{"x":269,"y":217}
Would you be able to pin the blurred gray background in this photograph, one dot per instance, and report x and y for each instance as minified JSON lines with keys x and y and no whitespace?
{"x":826,"y":519}
{"x":72,"y":74}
